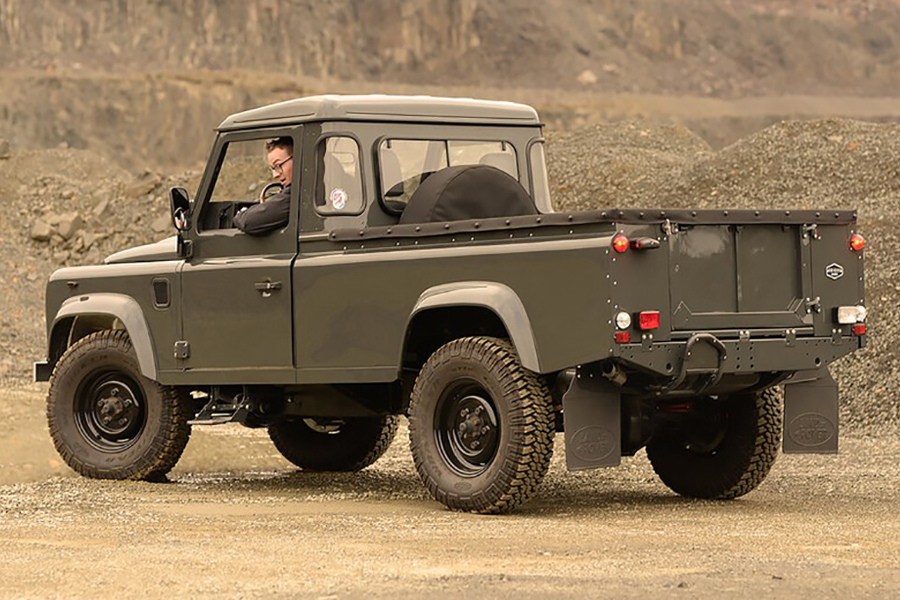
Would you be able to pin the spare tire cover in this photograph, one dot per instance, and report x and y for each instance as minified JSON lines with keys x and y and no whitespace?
{"x":467,"y":192}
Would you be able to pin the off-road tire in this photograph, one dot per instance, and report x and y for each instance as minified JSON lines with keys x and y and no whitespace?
{"x":522,"y":441}
{"x":161,"y":425}
{"x":739,"y":463}
{"x":354,"y":445}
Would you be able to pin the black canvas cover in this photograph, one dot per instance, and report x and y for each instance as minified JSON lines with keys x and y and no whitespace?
{"x":467,"y":192}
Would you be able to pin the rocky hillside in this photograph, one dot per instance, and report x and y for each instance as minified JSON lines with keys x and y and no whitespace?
{"x":689,"y":47}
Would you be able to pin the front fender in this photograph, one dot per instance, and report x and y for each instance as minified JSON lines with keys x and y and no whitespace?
{"x":126,"y":310}
{"x":500,"y":299}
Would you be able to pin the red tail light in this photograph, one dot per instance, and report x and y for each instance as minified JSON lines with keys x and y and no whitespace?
{"x":859,"y":329}
{"x":857,"y":242}
{"x":623,"y":337}
{"x":620,"y":243}
{"x":649,"y":319}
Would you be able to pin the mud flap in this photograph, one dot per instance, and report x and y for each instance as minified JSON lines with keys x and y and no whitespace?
{"x":591,"y":415}
{"x":811,"y":414}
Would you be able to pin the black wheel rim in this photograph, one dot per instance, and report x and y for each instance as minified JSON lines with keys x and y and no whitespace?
{"x":324,"y":426}
{"x":466,"y":428}
{"x":110,"y":411}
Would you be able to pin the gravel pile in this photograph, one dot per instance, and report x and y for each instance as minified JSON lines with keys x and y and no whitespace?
{"x":826,"y":164}
{"x":65,"y":207}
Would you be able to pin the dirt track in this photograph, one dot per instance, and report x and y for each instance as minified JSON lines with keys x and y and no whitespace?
{"x":237,"y":521}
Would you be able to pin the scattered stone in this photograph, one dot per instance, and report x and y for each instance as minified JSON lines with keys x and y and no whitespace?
{"x":69,"y":224}
{"x":101,"y":207}
{"x":61,"y":257}
{"x":88,"y":239}
{"x":146,"y":184}
{"x":53,"y":218}
{"x":5,"y":149}
{"x":587,"y":77}
{"x":41,"y":231}
{"x":163,"y":223}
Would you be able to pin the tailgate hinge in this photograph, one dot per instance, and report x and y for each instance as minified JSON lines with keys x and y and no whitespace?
{"x":811,"y":230}
{"x":814,"y":305}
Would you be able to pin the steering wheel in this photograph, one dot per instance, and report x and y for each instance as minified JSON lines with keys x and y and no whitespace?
{"x":270,"y":190}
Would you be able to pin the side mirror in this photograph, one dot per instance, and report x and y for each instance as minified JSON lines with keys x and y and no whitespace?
{"x":181,"y":208}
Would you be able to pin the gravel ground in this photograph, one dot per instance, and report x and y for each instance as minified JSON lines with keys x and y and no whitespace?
{"x":237,"y":521}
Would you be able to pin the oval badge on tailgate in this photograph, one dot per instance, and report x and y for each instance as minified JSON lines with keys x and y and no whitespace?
{"x":810,"y":430}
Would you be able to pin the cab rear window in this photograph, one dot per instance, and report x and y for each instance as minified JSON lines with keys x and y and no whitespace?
{"x":405,"y":164}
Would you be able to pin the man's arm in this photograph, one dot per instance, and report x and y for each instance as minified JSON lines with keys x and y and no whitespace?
{"x":267,"y":216}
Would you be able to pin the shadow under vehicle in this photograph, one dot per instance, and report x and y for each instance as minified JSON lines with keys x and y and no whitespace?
{"x":423,"y":272}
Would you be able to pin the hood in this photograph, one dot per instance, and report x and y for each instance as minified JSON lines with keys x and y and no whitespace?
{"x":166,"y":249}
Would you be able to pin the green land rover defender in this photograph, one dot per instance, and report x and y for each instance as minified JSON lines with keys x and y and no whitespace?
{"x":421,"y":271}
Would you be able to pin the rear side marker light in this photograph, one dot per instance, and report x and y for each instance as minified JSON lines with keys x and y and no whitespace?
{"x":857,"y":242}
{"x":859,"y":329}
{"x":620,"y":243}
{"x":645,"y":244}
{"x":649,"y":319}
{"x":623,"y":337}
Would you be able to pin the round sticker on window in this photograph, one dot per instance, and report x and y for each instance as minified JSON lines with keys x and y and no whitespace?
{"x":338,"y":198}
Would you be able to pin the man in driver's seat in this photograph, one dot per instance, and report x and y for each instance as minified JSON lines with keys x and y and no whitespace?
{"x":275,"y":212}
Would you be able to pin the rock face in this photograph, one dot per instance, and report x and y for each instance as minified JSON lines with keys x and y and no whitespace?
{"x":684,"y":46}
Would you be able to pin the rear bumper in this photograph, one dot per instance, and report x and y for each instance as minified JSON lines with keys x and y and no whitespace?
{"x":740,"y":357}
{"x":42,"y":371}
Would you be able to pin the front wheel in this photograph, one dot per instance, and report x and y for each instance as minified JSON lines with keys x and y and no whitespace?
{"x":725,"y":451}
{"x":106,"y":419}
{"x":481,"y":426}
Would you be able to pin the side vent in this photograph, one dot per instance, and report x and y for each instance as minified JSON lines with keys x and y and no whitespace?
{"x":161,"y":293}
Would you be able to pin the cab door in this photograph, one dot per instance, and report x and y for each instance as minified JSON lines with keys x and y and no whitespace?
{"x":236,"y":288}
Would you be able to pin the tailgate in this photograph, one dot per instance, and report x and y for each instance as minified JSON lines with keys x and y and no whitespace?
{"x":755,"y":276}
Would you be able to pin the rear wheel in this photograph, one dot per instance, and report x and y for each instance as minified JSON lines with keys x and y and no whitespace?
{"x":106,"y":419}
{"x":481,"y":426}
{"x":350,"y":444}
{"x":726,"y":449}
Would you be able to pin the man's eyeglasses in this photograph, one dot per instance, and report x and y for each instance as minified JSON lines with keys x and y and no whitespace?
{"x":278,"y":168}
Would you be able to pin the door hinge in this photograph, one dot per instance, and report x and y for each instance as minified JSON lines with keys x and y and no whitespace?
{"x":182,"y":350}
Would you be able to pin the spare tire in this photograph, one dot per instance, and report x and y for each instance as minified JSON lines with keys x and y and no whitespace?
{"x":467,"y":192}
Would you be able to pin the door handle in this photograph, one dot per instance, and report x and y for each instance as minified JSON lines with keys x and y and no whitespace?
{"x":267,"y":287}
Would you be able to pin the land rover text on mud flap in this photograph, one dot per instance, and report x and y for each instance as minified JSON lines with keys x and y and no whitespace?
{"x":423,"y":272}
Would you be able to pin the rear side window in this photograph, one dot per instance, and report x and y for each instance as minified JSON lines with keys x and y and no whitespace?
{"x":540,"y":187}
{"x":405,"y":164}
{"x":339,"y":189}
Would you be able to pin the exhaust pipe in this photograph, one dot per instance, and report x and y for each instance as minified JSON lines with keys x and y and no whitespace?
{"x":611,"y":371}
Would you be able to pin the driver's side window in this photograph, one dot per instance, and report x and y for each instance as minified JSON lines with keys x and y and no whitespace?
{"x":241,"y":177}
